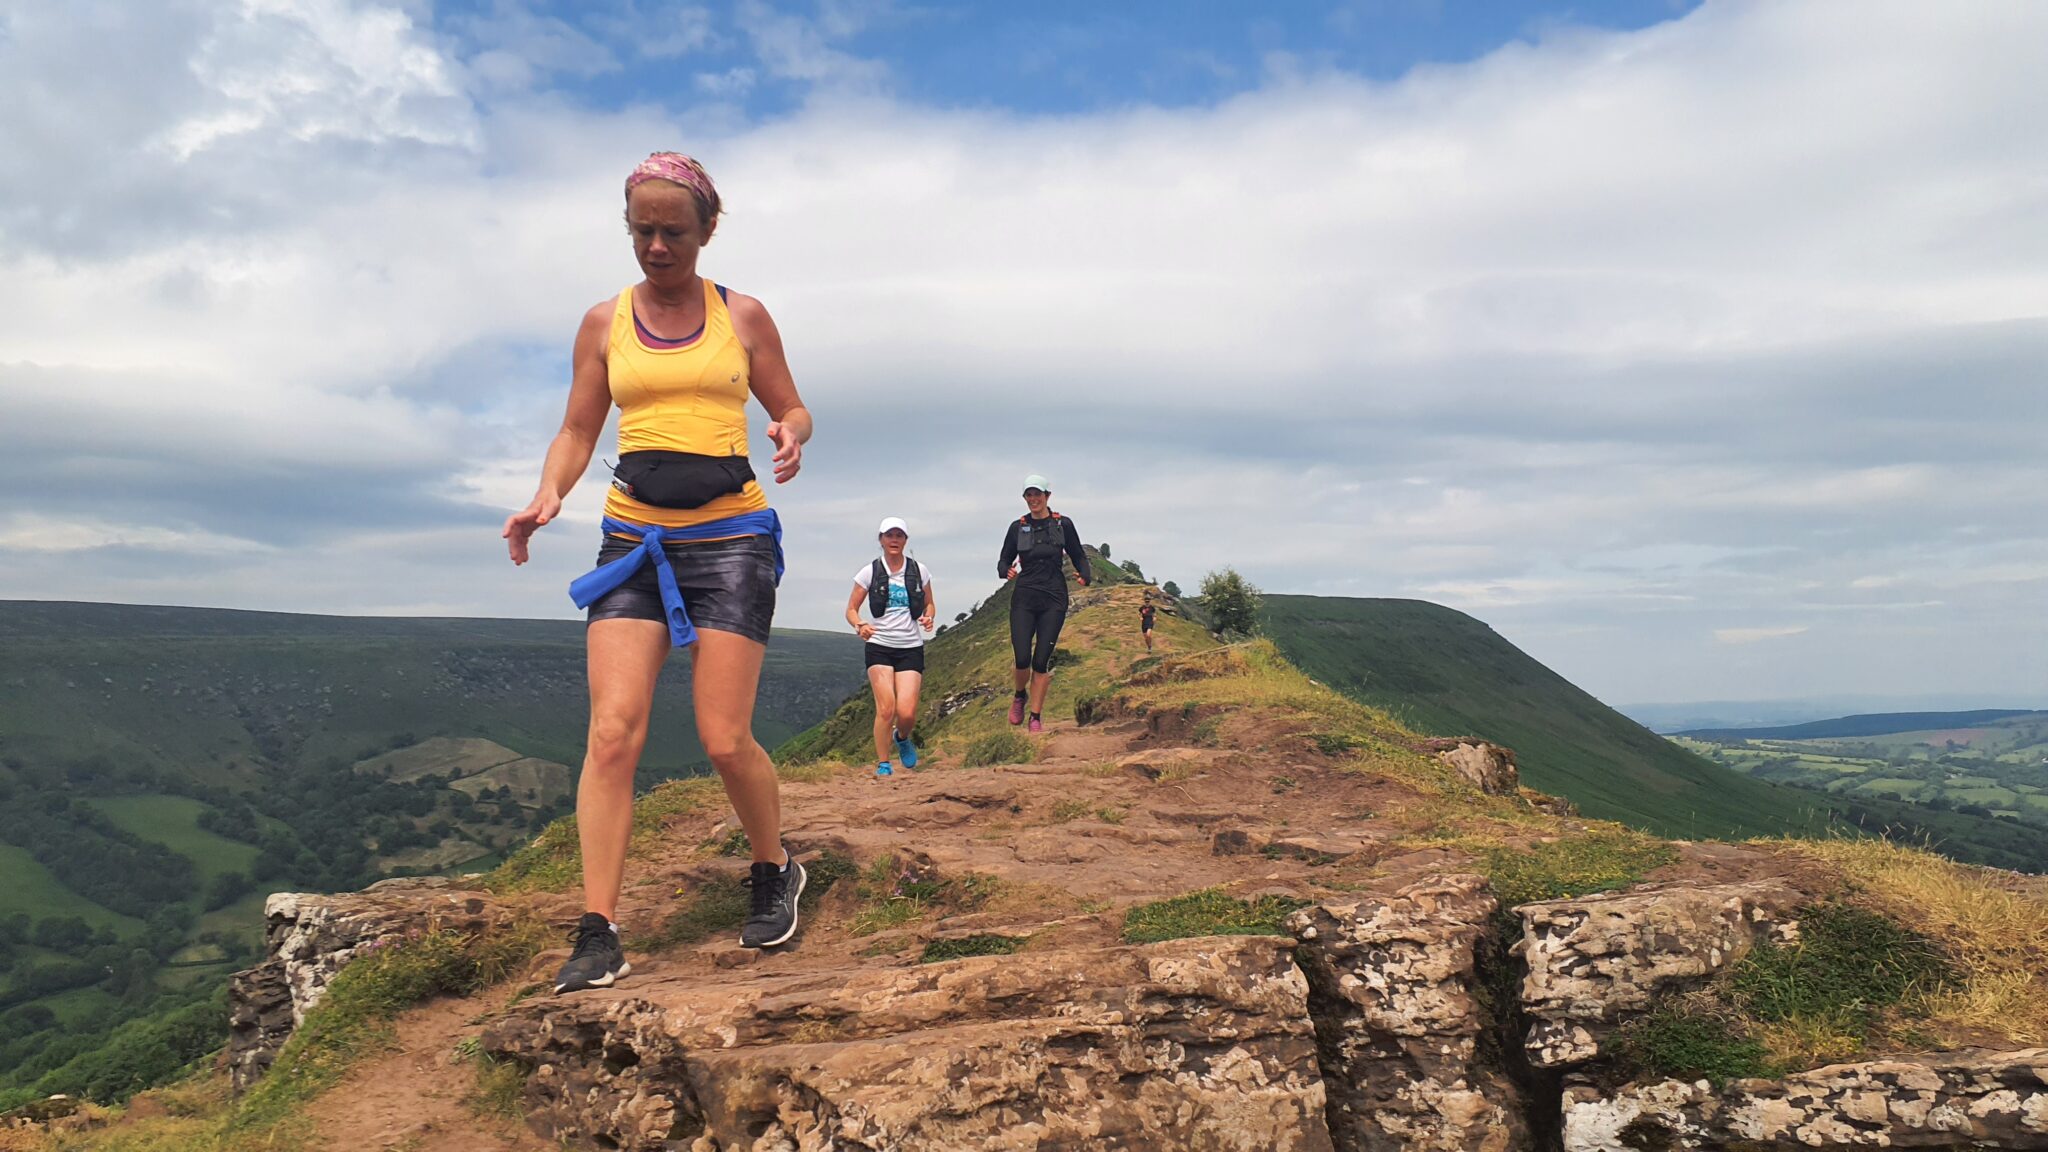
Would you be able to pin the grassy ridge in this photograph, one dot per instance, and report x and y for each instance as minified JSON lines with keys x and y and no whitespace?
{"x":1443,"y":672}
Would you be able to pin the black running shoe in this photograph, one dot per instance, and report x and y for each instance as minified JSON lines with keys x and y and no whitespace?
{"x":598,"y":960}
{"x":772,"y":919}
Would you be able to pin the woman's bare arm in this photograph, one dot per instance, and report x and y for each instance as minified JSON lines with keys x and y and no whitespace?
{"x":768,"y":372}
{"x":590,"y":400}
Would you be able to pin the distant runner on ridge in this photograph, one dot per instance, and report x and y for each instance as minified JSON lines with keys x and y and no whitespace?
{"x":1145,"y":614}
{"x":1035,"y":548}
{"x":691,"y":552}
{"x":897,"y":590}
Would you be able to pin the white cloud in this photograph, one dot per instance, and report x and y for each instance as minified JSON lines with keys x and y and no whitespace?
{"x":1667,"y":327}
{"x":321,"y":69}
{"x":1753,"y":635}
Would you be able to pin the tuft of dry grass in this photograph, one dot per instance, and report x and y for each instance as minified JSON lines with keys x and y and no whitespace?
{"x":811,"y":772}
{"x":1993,"y":926}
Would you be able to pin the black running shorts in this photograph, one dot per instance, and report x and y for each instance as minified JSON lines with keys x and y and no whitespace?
{"x":727,"y":585}
{"x":900,"y":659}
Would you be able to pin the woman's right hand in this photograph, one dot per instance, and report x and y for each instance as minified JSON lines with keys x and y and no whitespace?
{"x":520,"y":526}
{"x":866,"y":630}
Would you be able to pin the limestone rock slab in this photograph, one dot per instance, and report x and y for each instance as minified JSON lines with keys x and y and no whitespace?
{"x":1392,"y":989}
{"x":1951,"y":1100}
{"x":1594,"y":961}
{"x":1202,"y":1043}
{"x":308,"y":937}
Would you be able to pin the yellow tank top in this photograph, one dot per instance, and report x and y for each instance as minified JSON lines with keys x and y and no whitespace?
{"x":691,"y":398}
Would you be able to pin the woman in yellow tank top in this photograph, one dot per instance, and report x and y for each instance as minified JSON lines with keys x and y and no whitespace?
{"x":691,"y":552}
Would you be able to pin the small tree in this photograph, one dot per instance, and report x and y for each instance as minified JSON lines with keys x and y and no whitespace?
{"x":1171,"y":589}
{"x":1131,"y":566}
{"x":1104,"y":549}
{"x":1231,"y":601}
{"x":960,"y":619}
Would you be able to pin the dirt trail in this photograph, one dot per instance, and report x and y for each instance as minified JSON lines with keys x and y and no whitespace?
{"x":417,"y":1097}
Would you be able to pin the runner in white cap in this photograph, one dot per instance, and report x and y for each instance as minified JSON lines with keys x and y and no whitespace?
{"x":897,"y":590}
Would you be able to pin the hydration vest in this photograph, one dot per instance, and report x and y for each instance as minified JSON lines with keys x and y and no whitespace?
{"x":1039,"y":538}
{"x":878,"y":588}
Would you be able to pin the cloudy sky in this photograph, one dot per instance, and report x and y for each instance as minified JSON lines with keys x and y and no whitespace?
{"x":1699,"y":350}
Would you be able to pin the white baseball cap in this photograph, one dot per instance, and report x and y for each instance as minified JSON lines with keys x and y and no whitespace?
{"x":1039,"y":482}
{"x":895,"y":522}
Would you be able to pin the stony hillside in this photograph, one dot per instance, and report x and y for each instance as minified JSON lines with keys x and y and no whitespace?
{"x":1230,"y":910}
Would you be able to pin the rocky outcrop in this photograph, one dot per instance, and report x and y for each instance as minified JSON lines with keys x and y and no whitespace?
{"x":1978,"y":1100}
{"x":1201,"y":1043}
{"x":1486,"y":766}
{"x":1392,"y":992}
{"x":309,"y":938}
{"x":1595,"y":961}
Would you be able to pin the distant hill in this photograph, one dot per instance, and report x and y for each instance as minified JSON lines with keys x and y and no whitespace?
{"x":1873,"y":724}
{"x":1445,"y":672}
{"x":1442,"y":671}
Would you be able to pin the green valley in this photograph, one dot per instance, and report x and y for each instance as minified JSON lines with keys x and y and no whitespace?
{"x":163,"y":769}
{"x":1986,"y":763}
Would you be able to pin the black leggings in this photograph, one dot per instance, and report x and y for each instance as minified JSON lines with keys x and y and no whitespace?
{"x":1032,"y":616}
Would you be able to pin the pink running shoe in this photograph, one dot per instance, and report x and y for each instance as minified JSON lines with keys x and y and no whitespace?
{"x":1016,"y":709}
{"x":1035,"y":727}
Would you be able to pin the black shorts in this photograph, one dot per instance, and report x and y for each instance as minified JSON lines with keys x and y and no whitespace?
{"x":1145,"y":625}
{"x":727,"y":585}
{"x":900,"y":659}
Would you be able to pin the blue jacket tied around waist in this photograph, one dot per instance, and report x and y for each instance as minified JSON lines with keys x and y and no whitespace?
{"x":589,"y":587}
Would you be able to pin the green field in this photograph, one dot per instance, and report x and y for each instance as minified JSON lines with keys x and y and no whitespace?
{"x":173,"y":821}
{"x":30,"y":888}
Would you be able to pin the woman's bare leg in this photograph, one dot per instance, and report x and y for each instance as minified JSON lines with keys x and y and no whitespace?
{"x":884,"y":684}
{"x":725,"y":674}
{"x":908,"y":685}
{"x":1040,"y":681}
{"x":624,"y":660}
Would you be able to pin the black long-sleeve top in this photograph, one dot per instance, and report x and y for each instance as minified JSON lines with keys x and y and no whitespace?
{"x":1044,"y":570}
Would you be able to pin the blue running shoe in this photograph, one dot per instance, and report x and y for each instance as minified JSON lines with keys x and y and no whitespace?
{"x":906,"y":750}
{"x":883,"y":769}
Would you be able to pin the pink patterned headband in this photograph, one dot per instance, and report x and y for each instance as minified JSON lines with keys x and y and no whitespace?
{"x":677,"y":168}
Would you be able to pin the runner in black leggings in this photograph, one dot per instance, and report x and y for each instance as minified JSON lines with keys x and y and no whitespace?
{"x":1035,"y":548}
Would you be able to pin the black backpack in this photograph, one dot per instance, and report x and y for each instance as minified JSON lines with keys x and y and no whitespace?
{"x":878,"y":588}
{"x":1033,"y":535}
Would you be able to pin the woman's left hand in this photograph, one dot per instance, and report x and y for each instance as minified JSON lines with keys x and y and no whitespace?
{"x":789,"y":451}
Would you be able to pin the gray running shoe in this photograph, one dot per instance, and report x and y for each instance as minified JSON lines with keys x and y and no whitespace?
{"x":597,"y":962}
{"x":772,"y":918}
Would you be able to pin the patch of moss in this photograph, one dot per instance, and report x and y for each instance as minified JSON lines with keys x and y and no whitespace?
{"x":1208,"y":912}
{"x":1335,"y":743}
{"x":1599,"y":860}
{"x":981,"y":944}
{"x":1672,"y":1042}
{"x":1848,"y":964}
{"x":1004,"y":747}
{"x":496,"y":1093}
{"x":893,"y":894}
